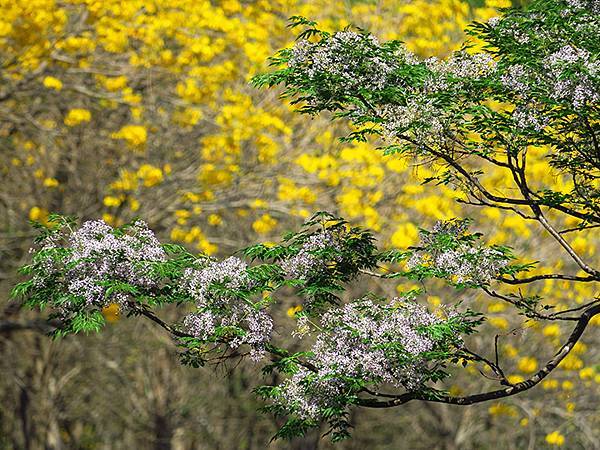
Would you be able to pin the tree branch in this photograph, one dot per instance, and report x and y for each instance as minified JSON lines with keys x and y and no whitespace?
{"x":549,"y":276}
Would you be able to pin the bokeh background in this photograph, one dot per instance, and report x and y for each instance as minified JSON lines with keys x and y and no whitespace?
{"x":143,"y":108}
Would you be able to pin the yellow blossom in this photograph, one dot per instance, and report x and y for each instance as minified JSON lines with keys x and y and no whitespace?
{"x":182,"y":216}
{"x":111,"y":201}
{"x":567,"y":385}
{"x":510,"y":351}
{"x":38,"y":214}
{"x":570,"y":407}
{"x":264,"y":224}
{"x":135,"y":135}
{"x":550,"y":384}
{"x":115,"y":83}
{"x":555,"y":438}
{"x":498,"y":322}
{"x":150,"y":175}
{"x":258,"y":203}
{"x":514,"y":379}
{"x":586,"y":373}
{"x":502,"y":409}
{"x":571,"y":362}
{"x":111,"y":313}
{"x":207,"y":247}
{"x":291,"y":312}
{"x":50,"y":182}
{"x":134,"y":204}
{"x":52,"y":83}
{"x":497,"y":307}
{"x":406,"y":234}
{"x":108,"y":218}
{"x":214,"y":220}
{"x":579,"y":348}
{"x":434,"y":300}
{"x":527,"y":364}
{"x":551,"y":330}
{"x":76,"y":116}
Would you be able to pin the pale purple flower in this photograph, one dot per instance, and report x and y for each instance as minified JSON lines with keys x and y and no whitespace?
{"x":306,"y":262}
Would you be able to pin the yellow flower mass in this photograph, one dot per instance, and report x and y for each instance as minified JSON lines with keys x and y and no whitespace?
{"x":135,"y":135}
{"x":77,"y":116}
{"x":53,"y":83}
{"x":555,"y":438}
{"x":527,"y":364}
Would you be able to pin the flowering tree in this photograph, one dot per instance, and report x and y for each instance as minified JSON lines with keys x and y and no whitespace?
{"x":534,"y":83}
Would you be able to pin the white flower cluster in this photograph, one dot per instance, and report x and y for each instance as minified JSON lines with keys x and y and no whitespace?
{"x":225,"y":310}
{"x":343,"y":55}
{"x":420,"y":114}
{"x":358,"y":334}
{"x":230,"y":272}
{"x":526,"y":117}
{"x":463,"y":261}
{"x":578,"y":87}
{"x":370,"y":341}
{"x":592,"y":6}
{"x":98,"y":254}
{"x":570,"y":74}
{"x":517,"y":78}
{"x":306,"y":395}
{"x":520,"y":79}
{"x":257,"y":326}
{"x":494,"y":21}
{"x":511,"y":32}
{"x":567,"y":55}
{"x":427,"y":121}
{"x":465,"y":65}
{"x":306,"y":262}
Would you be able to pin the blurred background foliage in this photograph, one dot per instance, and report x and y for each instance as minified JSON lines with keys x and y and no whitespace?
{"x":118,"y":109}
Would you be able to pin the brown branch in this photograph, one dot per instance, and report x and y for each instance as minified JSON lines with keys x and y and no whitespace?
{"x":495,"y":367}
{"x":579,"y":308}
{"x":557,"y":236}
{"x":452,"y":162}
{"x":550,"y":276}
{"x":530,"y":311}
{"x":580,"y":228}
{"x":275,"y":352}
{"x":150,"y":315}
{"x":520,"y":179}
{"x":485,"y":192}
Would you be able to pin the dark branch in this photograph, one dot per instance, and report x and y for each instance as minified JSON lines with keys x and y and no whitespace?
{"x":550,"y":276}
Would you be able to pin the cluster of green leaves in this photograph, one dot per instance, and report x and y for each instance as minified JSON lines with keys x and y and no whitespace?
{"x":336,"y":414}
{"x":354,"y":251}
{"x":453,"y":241}
{"x":315,"y":91}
